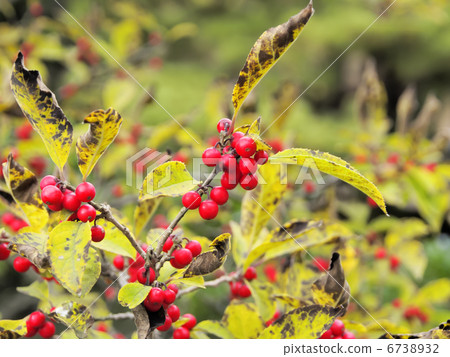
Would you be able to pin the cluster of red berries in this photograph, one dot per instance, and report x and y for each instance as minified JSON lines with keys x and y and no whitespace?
{"x":239,"y":289}
{"x":239,"y":160}
{"x":14,"y":223}
{"x":183,"y":332}
{"x":274,"y":318}
{"x":337,"y":331}
{"x":58,"y":197}
{"x":412,"y":312}
{"x":85,"y":52}
{"x":182,"y":257}
{"x":36,"y":323}
{"x":394,"y":261}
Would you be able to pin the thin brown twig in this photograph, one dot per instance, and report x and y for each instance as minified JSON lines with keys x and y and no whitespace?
{"x":211,"y":283}
{"x":115,"y":317}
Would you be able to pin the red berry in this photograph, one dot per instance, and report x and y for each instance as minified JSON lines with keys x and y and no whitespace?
{"x":208,"y":209}
{"x":229,"y":181}
{"x":395,"y":262}
{"x":219,"y":195}
{"x":327,"y":335}
{"x":235,"y":138}
{"x":224,"y":125}
{"x":191,"y":322}
{"x":234,"y":287}
{"x":117,"y":191}
{"x":321,"y":263}
{"x":51,"y":195}
{"x":174,"y":312}
{"x":211,"y":157}
{"x":248,"y":182}
{"x":250,"y":274}
{"x":86,"y":213}
{"x":246,"y":146}
{"x":380,"y":253}
{"x":31,"y":331}
{"x":175,"y":264}
{"x":277,"y":145}
{"x":168,"y":244}
{"x":8,"y":218}
{"x":4,"y":251}
{"x":156,"y":296}
{"x":244,"y":291}
{"x":38,"y":164}
{"x":24,"y":131}
{"x":21,"y":264}
{"x":36,"y":9}
{"x":97,"y":233}
{"x":70,"y":201}
{"x":348,"y":335}
{"x":167,"y":324}
{"x":397,"y":302}
{"x":142,"y":274}
{"x":247,"y":166}
{"x":393,"y":158}
{"x":182,"y":256}
{"x":309,"y":187}
{"x":36,"y":319}
{"x":181,"y":333}
{"x":18,"y":224}
{"x":102,"y":327}
{"x":371,"y":202}
{"x":261,"y":157}
{"x":48,"y":330}
{"x":271,"y":273}
{"x":191,"y":200}
{"x":195,"y":247}
{"x":229,"y":163}
{"x":173,"y":287}
{"x":337,"y":328}
{"x":119,"y":262}
{"x":56,"y":207}
{"x":85,"y":192}
{"x":169,"y":296}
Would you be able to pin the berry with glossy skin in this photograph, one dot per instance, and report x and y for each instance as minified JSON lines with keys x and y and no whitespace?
{"x":224,"y":125}
{"x":173,"y":287}
{"x":191,"y":200}
{"x":48,"y":330}
{"x":4,"y":251}
{"x":168,"y":244}
{"x":182,"y":256}
{"x":181,"y":333}
{"x":70,"y":201}
{"x":244,"y":291}
{"x":119,"y":262}
{"x":56,"y":207}
{"x":31,"y":331}
{"x":229,"y":163}
{"x":219,"y":195}
{"x":247,"y":166}
{"x":169,"y":296}
{"x":195,"y":247}
{"x":234,"y":287}
{"x":174,"y":312}
{"x":229,"y":181}
{"x":176,"y":264}
{"x":250,"y":274}
{"x":97,"y":233}
{"x":337,"y":328}
{"x":156,"y":295}
{"x":167,"y":324}
{"x":191,"y":322}
{"x":85,"y":192}
{"x":21,"y":264}
{"x":36,"y":319}
{"x":235,"y":138}
{"x":327,"y":335}
{"x":86,"y":213}
{"x":142,"y":274}
{"x":348,"y":335}
{"x":261,"y":157}
{"x":51,"y":195}
{"x":246,"y":146}
{"x":248,"y":182}
{"x":8,"y":218}
{"x":211,"y":157}
{"x":208,"y":209}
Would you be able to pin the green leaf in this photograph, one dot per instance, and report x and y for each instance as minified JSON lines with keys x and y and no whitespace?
{"x":303,"y":323}
{"x":24,"y":188}
{"x":170,"y":179}
{"x":214,"y":328}
{"x":13,"y":328}
{"x":132,"y":294}
{"x":269,"y":47}
{"x":103,"y":129}
{"x":72,"y":264}
{"x":41,"y":108}
{"x":331,"y":165}
{"x":114,"y":241}
{"x":434,"y":292}
{"x":75,"y":316}
{"x":143,"y":212}
{"x":38,"y":289}
{"x":33,"y":246}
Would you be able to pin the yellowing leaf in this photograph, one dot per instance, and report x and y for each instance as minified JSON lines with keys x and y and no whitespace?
{"x":197,"y":281}
{"x":262,"y":294}
{"x":24,"y":188}
{"x":68,"y":249}
{"x":38,"y":289}
{"x":13,"y":328}
{"x":75,"y":316}
{"x":214,"y":328}
{"x":434,"y":292}
{"x":114,"y":241}
{"x":131,"y":295}
{"x":253,"y":131}
{"x":104,"y":127}
{"x":331,"y":165}
{"x":143,"y":212}
{"x":170,"y":179}
{"x":303,"y":323}
{"x":41,"y":108}
{"x":242,"y":320}
{"x":258,"y":205}
{"x":33,"y":246}
{"x":269,"y":47}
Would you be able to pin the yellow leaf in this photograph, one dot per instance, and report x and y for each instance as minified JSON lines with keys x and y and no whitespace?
{"x":434,"y":292}
{"x":214,"y":328}
{"x":33,"y":246}
{"x":75,"y":316}
{"x":262,"y":294}
{"x":114,"y":241}
{"x":71,"y":262}
{"x":197,"y":281}
{"x":242,"y":320}
{"x":13,"y":328}
{"x":269,"y":47}
{"x":24,"y":188}
{"x":170,"y":179}
{"x":303,"y":323}
{"x":103,"y":128}
{"x":331,"y":165}
{"x":131,"y":295}
{"x":41,"y":108}
{"x":143,"y":212}
{"x":253,"y":131}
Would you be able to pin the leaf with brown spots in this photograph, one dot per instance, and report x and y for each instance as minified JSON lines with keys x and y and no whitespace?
{"x":13,"y":328}
{"x":269,"y":47}
{"x":75,"y":316}
{"x":331,"y":288}
{"x":440,"y":332}
{"x":24,"y":189}
{"x":254,"y":131}
{"x":303,"y":323}
{"x":103,"y":129}
{"x":41,"y":108}
{"x":33,"y":246}
{"x":143,"y":212}
{"x":331,"y":165}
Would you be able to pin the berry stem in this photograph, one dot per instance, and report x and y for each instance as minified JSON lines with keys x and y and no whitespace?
{"x":115,"y":317}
